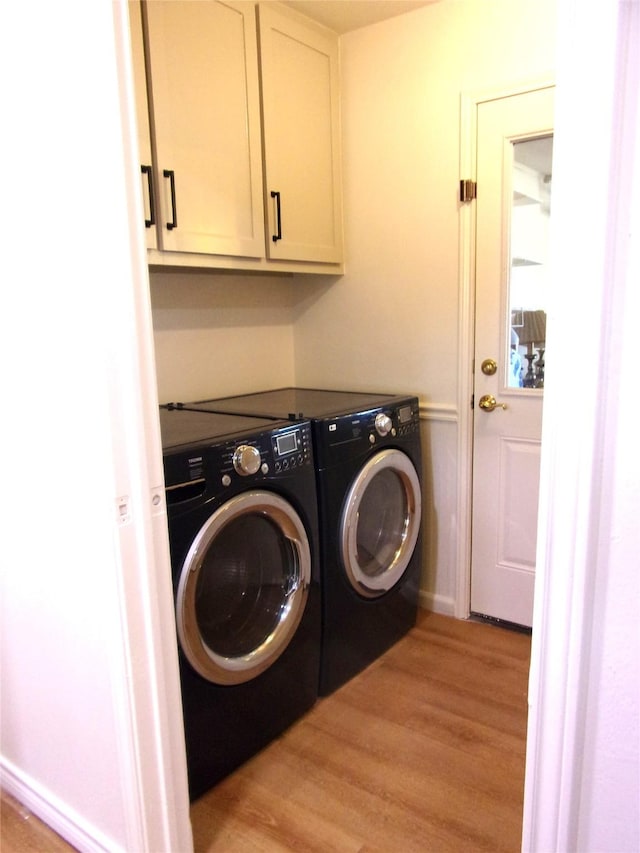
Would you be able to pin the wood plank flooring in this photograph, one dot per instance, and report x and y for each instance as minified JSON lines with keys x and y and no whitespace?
{"x":22,"y":832}
{"x":424,"y":751}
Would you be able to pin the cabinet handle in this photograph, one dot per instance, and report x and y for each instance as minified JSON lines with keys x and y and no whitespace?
{"x":146,"y":170}
{"x":278,"y":235}
{"x":169,"y":173}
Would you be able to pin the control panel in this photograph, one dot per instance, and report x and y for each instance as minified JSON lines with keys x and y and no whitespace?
{"x":270,"y":453}
{"x":375,"y":425}
{"x":408,"y":419}
{"x":291,"y":448}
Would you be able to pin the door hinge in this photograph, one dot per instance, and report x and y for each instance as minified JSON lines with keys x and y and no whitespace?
{"x":468,"y":190}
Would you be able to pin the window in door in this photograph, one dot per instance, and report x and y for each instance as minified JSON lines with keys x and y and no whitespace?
{"x":528,"y":282}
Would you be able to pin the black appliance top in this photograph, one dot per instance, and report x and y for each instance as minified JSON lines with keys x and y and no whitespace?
{"x":181,"y":428}
{"x":296,"y":403}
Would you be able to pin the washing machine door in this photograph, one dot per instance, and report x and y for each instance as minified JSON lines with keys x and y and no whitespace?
{"x":380,"y":523}
{"x":243,"y":587}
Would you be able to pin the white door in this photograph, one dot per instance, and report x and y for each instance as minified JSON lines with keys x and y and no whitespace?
{"x":514,"y":143}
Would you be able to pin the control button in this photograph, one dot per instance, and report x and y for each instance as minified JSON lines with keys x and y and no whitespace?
{"x":226,"y":480}
{"x":383,"y":424}
{"x":372,"y":439}
{"x":393,"y":432}
{"x":285,"y":464}
{"x":278,"y":466}
{"x":264,"y":468}
{"x":246,"y":459}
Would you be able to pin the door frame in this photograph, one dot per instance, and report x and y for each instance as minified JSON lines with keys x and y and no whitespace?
{"x":469,"y":104}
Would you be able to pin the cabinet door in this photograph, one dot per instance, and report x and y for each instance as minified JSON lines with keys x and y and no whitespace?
{"x":142,"y":117}
{"x":204,"y":89}
{"x":300,"y":102}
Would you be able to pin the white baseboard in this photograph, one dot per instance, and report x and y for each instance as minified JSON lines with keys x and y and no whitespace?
{"x":52,"y":811}
{"x":437,"y":603}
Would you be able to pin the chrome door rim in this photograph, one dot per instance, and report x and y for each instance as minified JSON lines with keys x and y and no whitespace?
{"x":221,"y":669}
{"x":400,"y":464}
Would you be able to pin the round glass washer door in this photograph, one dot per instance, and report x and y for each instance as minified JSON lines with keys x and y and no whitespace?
{"x":243,"y":587}
{"x":380,"y":523}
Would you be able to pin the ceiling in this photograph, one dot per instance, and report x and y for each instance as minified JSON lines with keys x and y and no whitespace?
{"x":342,"y":16}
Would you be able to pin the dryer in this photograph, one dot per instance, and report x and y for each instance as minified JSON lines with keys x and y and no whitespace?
{"x":369,"y":481}
{"x":243,"y":535}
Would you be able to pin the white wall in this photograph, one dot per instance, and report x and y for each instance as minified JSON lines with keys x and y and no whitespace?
{"x":74,"y":315}
{"x":582,"y":790}
{"x":392,"y":319}
{"x":219,"y":334}
{"x":391,"y":323}
{"x":90,"y":709}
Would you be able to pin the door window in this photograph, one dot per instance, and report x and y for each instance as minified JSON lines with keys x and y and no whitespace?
{"x":528,"y":280}
{"x":380,"y":523}
{"x":243,"y":587}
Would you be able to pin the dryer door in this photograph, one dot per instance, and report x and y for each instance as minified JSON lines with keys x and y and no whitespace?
{"x":380,"y":523}
{"x":243,"y":587}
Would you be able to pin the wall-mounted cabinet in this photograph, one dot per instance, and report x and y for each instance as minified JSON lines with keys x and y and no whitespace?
{"x":244,"y":129}
{"x":144,"y":132}
{"x":203,"y":91}
{"x":300,"y":104}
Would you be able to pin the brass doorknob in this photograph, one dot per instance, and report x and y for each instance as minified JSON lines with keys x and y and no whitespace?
{"x":488,"y":403}
{"x":489,"y":366}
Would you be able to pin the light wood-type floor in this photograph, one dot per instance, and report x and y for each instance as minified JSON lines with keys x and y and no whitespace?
{"x":424,"y":751}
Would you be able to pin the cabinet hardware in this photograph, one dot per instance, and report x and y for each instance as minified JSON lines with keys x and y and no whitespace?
{"x":169,"y":173}
{"x":146,"y":170}
{"x":278,"y":235}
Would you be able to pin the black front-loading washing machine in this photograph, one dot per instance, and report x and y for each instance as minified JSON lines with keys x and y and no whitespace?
{"x":368,"y":461}
{"x":243,"y":535}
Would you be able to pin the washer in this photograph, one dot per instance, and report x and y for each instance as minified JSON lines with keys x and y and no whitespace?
{"x":243,"y":534}
{"x":368,"y":463}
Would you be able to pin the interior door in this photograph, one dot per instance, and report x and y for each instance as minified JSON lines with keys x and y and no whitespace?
{"x":514,"y":145}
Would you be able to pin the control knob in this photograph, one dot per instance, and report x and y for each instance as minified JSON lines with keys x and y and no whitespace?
{"x":246,"y":459}
{"x":383,"y":424}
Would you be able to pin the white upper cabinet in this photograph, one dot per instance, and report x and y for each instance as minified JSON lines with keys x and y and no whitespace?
{"x":245,"y":136}
{"x":203,"y":85}
{"x":300,"y":105}
{"x":142,"y":115}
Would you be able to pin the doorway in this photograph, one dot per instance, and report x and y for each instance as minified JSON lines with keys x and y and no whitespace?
{"x":509,"y":151}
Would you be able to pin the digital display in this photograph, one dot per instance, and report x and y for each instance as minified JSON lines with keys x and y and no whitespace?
{"x":287,"y":443}
{"x":404,"y":413}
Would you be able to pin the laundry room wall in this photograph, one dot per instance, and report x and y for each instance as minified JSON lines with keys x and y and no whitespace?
{"x":391,"y":323}
{"x":219,"y":334}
